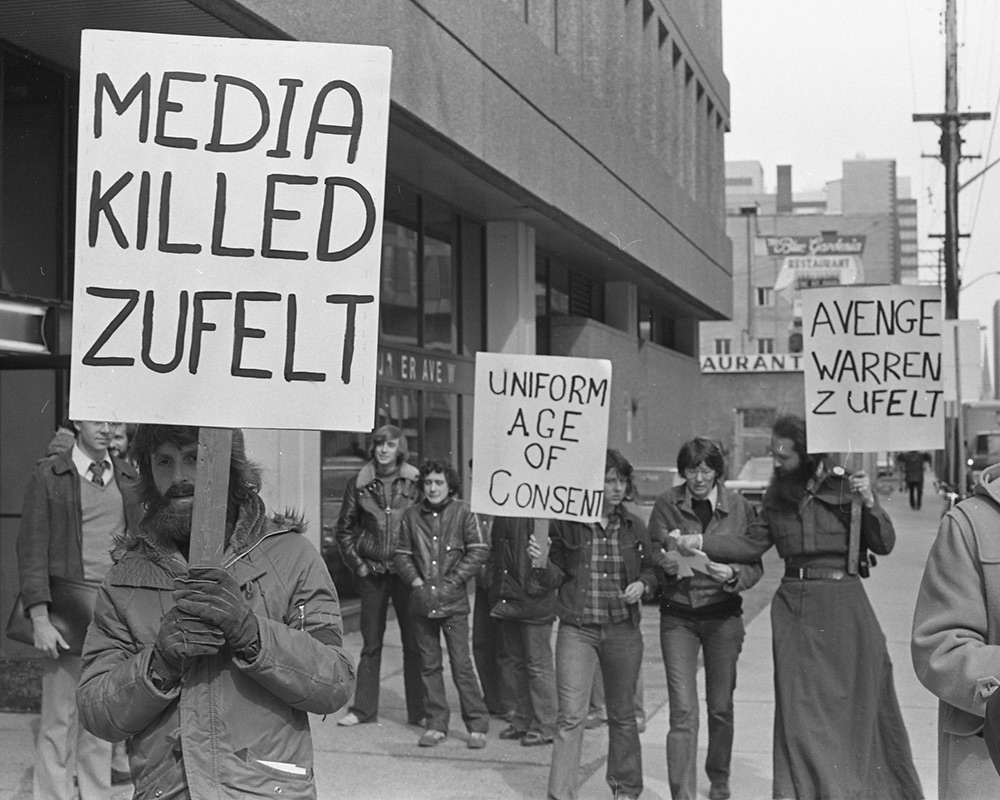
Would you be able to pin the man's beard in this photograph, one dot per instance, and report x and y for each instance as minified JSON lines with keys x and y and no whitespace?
{"x":169,"y":523}
{"x":788,"y":488}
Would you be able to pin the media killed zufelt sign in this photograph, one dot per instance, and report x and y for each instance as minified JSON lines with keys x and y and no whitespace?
{"x":540,"y":436}
{"x":873,"y":368}
{"x":228,"y":234}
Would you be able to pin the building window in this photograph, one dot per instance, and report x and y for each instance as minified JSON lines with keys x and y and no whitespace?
{"x":657,"y":327}
{"x":562,"y":292}
{"x":765,"y":296}
{"x":765,"y":345}
{"x":723,"y":347}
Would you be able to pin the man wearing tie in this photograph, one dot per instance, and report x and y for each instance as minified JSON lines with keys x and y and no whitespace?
{"x":76,"y":503}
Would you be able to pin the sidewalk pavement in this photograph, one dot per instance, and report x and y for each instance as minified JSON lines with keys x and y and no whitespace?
{"x":382,"y":762}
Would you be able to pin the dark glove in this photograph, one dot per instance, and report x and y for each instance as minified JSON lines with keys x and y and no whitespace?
{"x":213,"y":595}
{"x":182,"y":636}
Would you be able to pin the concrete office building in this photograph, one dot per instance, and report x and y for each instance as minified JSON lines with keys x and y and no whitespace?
{"x":555,"y":185}
{"x":861,"y":227}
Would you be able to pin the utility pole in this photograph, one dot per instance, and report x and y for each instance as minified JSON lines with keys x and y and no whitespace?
{"x":950,"y":123}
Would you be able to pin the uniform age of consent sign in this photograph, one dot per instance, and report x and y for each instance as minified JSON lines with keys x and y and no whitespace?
{"x":873,"y":368}
{"x":228,"y":231}
{"x":540,"y":436}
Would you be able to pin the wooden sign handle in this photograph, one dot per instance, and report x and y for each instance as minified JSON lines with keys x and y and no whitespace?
{"x":211,"y":496}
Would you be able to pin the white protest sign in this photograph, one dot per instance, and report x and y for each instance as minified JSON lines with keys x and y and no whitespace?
{"x":228,"y":233}
{"x":873,"y":368}
{"x":540,"y":436}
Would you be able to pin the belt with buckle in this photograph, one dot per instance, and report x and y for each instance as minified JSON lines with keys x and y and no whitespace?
{"x":815,"y":573}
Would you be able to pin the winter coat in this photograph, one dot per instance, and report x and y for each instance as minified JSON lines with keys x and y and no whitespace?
{"x":568,"y":567}
{"x":816,"y":534}
{"x":210,"y":735}
{"x":368,"y":526}
{"x":731,"y":517}
{"x":444,"y":546}
{"x":509,"y":569}
{"x":50,"y":541}
{"x":956,"y":637}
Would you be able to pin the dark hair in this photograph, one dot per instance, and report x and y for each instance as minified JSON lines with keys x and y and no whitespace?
{"x":701,"y":449}
{"x":244,"y":475}
{"x":386,"y":433}
{"x":617,"y":462}
{"x":793,"y":428}
{"x":445,"y":468}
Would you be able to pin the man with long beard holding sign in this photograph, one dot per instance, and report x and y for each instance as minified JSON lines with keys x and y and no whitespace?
{"x":210,"y":671}
{"x":838,"y":730}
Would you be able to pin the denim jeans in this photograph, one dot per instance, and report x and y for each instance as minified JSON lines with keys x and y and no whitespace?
{"x":617,"y":648}
{"x":680,"y":641}
{"x":376,"y":591}
{"x":488,"y":655}
{"x":470,"y":698}
{"x":527,"y":658}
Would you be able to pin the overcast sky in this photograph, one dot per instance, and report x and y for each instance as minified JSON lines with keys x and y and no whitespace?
{"x":813,"y":83}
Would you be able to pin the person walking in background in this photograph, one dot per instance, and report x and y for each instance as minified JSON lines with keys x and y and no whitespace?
{"x":838,"y":730}
{"x":441,"y":548}
{"x":600,"y":572}
{"x":525,"y":614}
{"x":956,"y":639}
{"x":211,"y":672}
{"x":701,"y":612}
{"x":76,"y":503}
{"x":368,"y":535}
{"x":912,"y":464}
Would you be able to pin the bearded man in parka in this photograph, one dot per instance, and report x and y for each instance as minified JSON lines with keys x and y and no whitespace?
{"x":210,"y":672}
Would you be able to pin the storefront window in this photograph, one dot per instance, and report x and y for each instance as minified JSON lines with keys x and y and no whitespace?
{"x":399,"y":297}
{"x":439,"y":304}
{"x":35,"y":133}
{"x":441,"y":427}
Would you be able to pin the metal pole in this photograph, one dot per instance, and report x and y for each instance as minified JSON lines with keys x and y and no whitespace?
{"x":951,"y":144}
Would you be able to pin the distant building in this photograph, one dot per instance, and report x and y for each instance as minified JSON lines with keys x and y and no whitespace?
{"x":555,"y":185}
{"x":861,"y":227}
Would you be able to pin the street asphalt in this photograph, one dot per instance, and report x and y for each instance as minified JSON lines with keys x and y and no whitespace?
{"x":382,"y":760}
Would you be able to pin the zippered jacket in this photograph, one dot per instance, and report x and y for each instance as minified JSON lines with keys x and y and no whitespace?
{"x":229,"y":728}
{"x":368,"y":526}
{"x":731,"y":516}
{"x":509,"y":568}
{"x":50,"y":541}
{"x":444,"y":545}
{"x":568,"y":567}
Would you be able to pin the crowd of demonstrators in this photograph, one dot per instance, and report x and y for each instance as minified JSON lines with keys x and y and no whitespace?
{"x":441,"y":548}
{"x":177,"y":652}
{"x":79,"y":498}
{"x":210,"y":672}
{"x":701,"y":613}
{"x":368,"y":534}
{"x":835,"y":700}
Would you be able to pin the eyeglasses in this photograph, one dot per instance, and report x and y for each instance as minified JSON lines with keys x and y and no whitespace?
{"x":699,"y":472}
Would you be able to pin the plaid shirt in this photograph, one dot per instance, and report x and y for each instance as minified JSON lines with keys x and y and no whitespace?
{"x":604,"y":601}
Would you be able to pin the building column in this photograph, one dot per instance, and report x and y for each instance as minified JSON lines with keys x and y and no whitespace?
{"x":510,"y":286}
{"x":291,"y":466}
{"x":621,"y":306}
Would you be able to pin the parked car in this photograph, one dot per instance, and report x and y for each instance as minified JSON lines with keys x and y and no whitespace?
{"x":754,"y":477}
{"x":985,"y":452}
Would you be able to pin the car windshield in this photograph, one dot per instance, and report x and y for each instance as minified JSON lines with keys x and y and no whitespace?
{"x":988,"y":442}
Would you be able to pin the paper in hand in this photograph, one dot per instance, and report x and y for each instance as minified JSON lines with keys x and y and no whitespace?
{"x":686,"y":564}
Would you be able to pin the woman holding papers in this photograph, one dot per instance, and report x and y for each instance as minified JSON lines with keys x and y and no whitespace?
{"x":700,"y":609}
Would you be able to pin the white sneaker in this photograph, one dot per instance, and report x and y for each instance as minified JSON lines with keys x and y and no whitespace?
{"x":349,"y":719}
